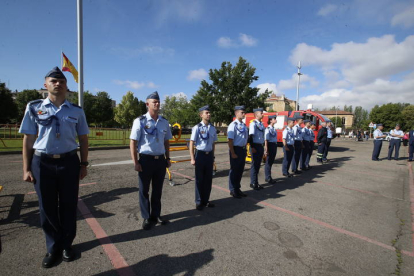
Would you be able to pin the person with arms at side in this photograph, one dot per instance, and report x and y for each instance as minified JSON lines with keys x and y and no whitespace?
{"x":321,"y":140}
{"x":378,"y":138}
{"x":329,"y":137}
{"x":150,"y":152}
{"x":237,"y":135}
{"x":256,"y":141}
{"x":203,"y":137}
{"x":297,"y":129}
{"x":410,"y":145}
{"x":270,"y":150}
{"x":306,"y":134}
{"x":396,"y":135}
{"x":288,"y":147}
{"x":51,"y":163}
{"x":311,"y":145}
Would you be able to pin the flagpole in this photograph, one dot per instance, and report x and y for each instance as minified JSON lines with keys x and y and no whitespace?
{"x":80,"y":53}
{"x":61,"y":59}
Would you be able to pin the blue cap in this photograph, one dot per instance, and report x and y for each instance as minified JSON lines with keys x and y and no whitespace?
{"x":379,"y":125}
{"x":55,"y":73}
{"x":306,"y":121}
{"x":290,"y":119}
{"x":272,"y":117}
{"x":154,"y":96}
{"x":206,"y":107}
{"x":313,"y":124}
{"x":298,"y":117}
{"x":258,"y":109}
{"x":397,"y":125}
{"x":239,"y":107}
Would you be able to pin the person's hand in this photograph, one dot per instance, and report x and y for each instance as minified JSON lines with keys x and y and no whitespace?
{"x":265,"y":154}
{"x":83,"y":172}
{"x":168,"y":163}
{"x":234,"y":156}
{"x":138,"y":167}
{"x":193,"y":162}
{"x":254,"y":150}
{"x":28,"y":176}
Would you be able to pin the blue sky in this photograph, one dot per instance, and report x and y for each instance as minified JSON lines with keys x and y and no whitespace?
{"x":353,"y":52}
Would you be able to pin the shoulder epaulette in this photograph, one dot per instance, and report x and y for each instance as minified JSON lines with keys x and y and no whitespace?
{"x":35,"y":101}
{"x":141,"y":117}
{"x":75,"y":105}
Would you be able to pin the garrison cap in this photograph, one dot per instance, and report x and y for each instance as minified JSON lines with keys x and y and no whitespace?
{"x":397,"y":125}
{"x":55,"y":73}
{"x":313,"y":124}
{"x":258,"y":109}
{"x":379,"y":125}
{"x":298,"y":117}
{"x":290,"y":119}
{"x":306,"y":121}
{"x":154,"y":96}
{"x":272,"y":117}
{"x":239,"y":107}
{"x":206,"y":107}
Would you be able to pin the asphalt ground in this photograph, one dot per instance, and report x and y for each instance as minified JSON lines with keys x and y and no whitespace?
{"x":351,"y":216}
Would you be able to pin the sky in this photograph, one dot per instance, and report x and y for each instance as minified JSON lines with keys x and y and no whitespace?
{"x":354,"y":52}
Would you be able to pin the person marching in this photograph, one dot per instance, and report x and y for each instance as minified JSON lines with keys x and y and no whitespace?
{"x":288,"y":146}
{"x":395,"y":142}
{"x":297,"y":129}
{"x":321,"y":140}
{"x":270,"y":148}
{"x":410,"y":145}
{"x":256,"y":141}
{"x":237,"y":135}
{"x":306,"y":134}
{"x":150,"y":137}
{"x":203,"y":136}
{"x":51,"y":163}
{"x":311,"y":145}
{"x":378,"y":138}
{"x":329,"y":136}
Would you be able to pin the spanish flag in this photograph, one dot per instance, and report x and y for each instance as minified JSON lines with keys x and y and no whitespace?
{"x":68,"y":66}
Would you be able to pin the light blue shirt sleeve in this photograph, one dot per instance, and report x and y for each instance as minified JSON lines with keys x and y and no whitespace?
{"x":82,"y":126}
{"x":168,"y":134}
{"x":136,"y":130}
{"x":194,"y":132}
{"x":284,"y":134}
{"x":252,"y":128}
{"x":28,"y":125}
{"x":230,"y":131}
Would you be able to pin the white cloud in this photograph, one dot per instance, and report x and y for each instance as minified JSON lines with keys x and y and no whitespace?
{"x":199,"y":74}
{"x":270,"y":86}
{"x":179,"y":95}
{"x":143,"y":51}
{"x":327,"y":9}
{"x":135,"y":84}
{"x":404,"y":18}
{"x":183,"y":10}
{"x":292,"y":82}
{"x":244,"y":40}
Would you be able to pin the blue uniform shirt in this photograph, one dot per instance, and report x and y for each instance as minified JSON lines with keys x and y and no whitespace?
{"x":396,"y":132}
{"x":297,"y":130}
{"x":329,"y":135}
{"x":271,"y":134}
{"x":312,"y":135}
{"x":289,"y":135}
{"x":56,"y":127}
{"x":257,"y":129}
{"x":238,"y":132}
{"x":150,"y":134}
{"x":204,"y":136}
{"x":377,"y":133}
{"x":306,"y":134}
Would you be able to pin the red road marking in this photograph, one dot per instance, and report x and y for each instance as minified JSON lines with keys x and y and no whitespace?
{"x":80,"y":185}
{"x":410,"y":169}
{"x":182,"y":175}
{"x":110,"y":249}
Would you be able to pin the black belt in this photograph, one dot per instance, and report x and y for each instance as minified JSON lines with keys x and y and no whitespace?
{"x":152,"y":156}
{"x":55,"y":156}
{"x":203,"y":152}
{"x":240,"y":147}
{"x":257,"y":144}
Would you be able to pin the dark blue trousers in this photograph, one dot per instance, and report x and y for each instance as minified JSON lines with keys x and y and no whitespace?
{"x":321,"y":149}
{"x":237,"y":168}
{"x":153,"y":171}
{"x":270,"y":159}
{"x":297,"y":155}
{"x":57,"y":187}
{"x":305,"y":154}
{"x":287,"y":158}
{"x":256,"y":161}
{"x":308,"y":157}
{"x":326,"y":149}
{"x":377,"y":149}
{"x":410,"y":151}
{"x":203,"y":176}
{"x":394,"y":143}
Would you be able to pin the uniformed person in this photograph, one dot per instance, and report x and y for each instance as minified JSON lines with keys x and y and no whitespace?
{"x":288,"y":146}
{"x":396,"y":135}
{"x":329,"y":136}
{"x":50,"y":161}
{"x":321,"y":140}
{"x":378,"y":138}
{"x":311,"y":144}
{"x":150,"y":137}
{"x":306,"y":135}
{"x":203,"y":137}
{"x":237,"y":135}
{"x":410,"y":145}
{"x":297,"y":129}
{"x":256,"y":141}
{"x":270,"y":149}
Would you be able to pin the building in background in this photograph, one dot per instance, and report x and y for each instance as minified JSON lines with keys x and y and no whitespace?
{"x":349,"y":117}
{"x":279,"y":103}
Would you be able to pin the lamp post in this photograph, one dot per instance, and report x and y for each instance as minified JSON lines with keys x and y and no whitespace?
{"x":297,"y":87}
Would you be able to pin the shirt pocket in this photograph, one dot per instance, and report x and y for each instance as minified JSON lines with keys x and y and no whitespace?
{"x":161,"y":134}
{"x":70,"y":119}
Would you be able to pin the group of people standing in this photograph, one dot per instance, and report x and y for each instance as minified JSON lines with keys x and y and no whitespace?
{"x":396,"y":135}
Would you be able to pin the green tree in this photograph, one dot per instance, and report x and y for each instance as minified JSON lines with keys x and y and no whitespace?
{"x":103,"y":110}
{"x":230,"y":85}
{"x":337,"y":121}
{"x":22,"y":98}
{"x":360,"y":115}
{"x":389,"y":115}
{"x":179,"y":110}
{"x":127,"y":110}
{"x":8,"y":108}
{"x":348,"y":108}
{"x":407,"y":116}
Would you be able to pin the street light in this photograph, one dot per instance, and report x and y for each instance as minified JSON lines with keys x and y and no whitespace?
{"x":297,"y":88}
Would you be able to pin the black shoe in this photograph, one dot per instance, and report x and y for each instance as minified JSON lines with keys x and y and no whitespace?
{"x":68,"y":254}
{"x":297,"y":172}
{"x":49,"y":260}
{"x":158,"y":220}
{"x":146,"y":224}
{"x":235,"y":194}
{"x":259,"y":186}
{"x":199,"y":207}
{"x":305,"y":169}
{"x":255,"y":187}
{"x":309,"y":167}
{"x":241,"y":193}
{"x":210,"y":205}
{"x":287,"y":175}
{"x":271,"y":181}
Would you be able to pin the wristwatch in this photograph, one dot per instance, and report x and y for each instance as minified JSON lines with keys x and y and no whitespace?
{"x":84,"y":163}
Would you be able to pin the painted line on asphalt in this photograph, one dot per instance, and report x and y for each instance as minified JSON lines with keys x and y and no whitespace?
{"x":118,"y":262}
{"x":80,"y":185}
{"x":410,"y":169}
{"x":129,"y":162}
{"x":182,"y":175}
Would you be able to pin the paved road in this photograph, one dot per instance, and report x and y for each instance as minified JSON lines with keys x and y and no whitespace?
{"x":349,"y":217}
